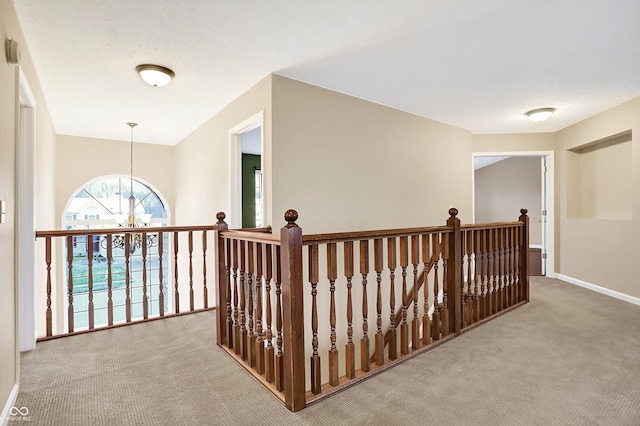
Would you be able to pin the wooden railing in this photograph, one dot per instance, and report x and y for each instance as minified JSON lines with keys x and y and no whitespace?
{"x":383,"y":296}
{"x":102,"y":278}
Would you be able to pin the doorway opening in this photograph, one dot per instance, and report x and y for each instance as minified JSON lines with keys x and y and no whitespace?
{"x":251,"y":144}
{"x":246,"y":174}
{"x":505,"y":182}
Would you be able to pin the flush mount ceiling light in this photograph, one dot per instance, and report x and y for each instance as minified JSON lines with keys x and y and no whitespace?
{"x":540,"y":114}
{"x":155,"y":75}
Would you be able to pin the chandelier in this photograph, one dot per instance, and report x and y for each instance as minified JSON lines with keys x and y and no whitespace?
{"x":131,"y":219}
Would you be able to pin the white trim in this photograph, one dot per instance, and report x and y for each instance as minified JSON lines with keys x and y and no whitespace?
{"x":4,"y":417}
{"x":535,"y":246}
{"x":598,"y":289}
{"x":25,"y":217}
{"x":234,"y":216}
{"x":549,"y":191}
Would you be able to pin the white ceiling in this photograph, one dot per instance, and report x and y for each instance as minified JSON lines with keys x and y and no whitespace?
{"x":476,"y":64}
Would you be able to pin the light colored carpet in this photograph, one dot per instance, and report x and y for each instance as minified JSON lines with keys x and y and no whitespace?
{"x":570,"y":357}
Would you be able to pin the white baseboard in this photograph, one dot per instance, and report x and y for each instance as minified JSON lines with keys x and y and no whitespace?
{"x":597,"y":288}
{"x":4,"y":417}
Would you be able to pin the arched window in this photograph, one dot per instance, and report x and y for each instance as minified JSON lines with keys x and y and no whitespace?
{"x":104,"y":203}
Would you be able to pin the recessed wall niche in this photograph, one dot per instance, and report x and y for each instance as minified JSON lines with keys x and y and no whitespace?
{"x":599,"y":184}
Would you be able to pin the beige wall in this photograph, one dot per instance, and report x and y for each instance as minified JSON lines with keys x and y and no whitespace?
{"x":202,"y":159}
{"x":347,"y":164}
{"x":81,"y":160}
{"x":503,"y":188}
{"x":45,"y":142}
{"x":597,"y":251}
{"x":602,"y":251}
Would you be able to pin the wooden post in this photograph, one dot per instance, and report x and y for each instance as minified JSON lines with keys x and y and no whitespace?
{"x":454,"y":272}
{"x":222,"y":298}
{"x":293,"y":313}
{"x":524,"y":253}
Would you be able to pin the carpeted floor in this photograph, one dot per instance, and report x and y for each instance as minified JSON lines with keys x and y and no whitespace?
{"x":570,"y":357}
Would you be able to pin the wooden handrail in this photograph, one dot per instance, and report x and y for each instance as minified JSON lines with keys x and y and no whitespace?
{"x":340,"y":237}
{"x":256,"y":237}
{"x":493,"y":225}
{"x":145,"y":229}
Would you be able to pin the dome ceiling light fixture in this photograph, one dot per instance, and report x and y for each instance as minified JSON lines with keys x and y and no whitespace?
{"x":540,"y":114}
{"x":155,"y":75}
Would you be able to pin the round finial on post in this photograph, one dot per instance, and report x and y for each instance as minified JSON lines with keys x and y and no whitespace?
{"x":290,"y":216}
{"x":453,"y":212}
{"x":220,"y":216}
{"x":524,"y":211}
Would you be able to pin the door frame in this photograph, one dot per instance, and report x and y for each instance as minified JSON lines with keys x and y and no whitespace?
{"x":25,"y":215}
{"x":548,"y":197}
{"x":234,"y":218}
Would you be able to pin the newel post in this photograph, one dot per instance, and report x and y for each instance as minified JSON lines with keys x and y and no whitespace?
{"x":222,"y":298}
{"x":293,"y":312}
{"x":524,"y":253}
{"x":454,"y":272}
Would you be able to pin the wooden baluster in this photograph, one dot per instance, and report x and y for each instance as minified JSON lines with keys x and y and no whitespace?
{"x":378,"y":267}
{"x":251,"y":337}
{"x":469,"y":296}
{"x":483,"y":273}
{"x":145,"y":297}
{"x":316,"y":377}
{"x":279,"y":355}
{"x":426,"y":322}
{"x":190,"y":241}
{"x":496,"y":272}
{"x":49,"y":314}
{"x":176,"y":296}
{"x":391,"y":264}
{"x":516,"y":250}
{"x":228,"y":254}
{"x":476,"y":276}
{"x":435,"y":316}
{"x":365,"y":362}
{"x":499,"y":275}
{"x":160,"y":274}
{"x":514,"y":258}
{"x":236,"y":301}
{"x":503,"y":268}
{"x":259,"y":346}
{"x":415,"y":325}
{"x":404,"y":327}
{"x":349,"y":348}
{"x":509,"y":271}
{"x":70,"y":282}
{"x":332,"y":272}
{"x":90,"y":280}
{"x":268,"y":351}
{"x":524,"y":255}
{"x":444,"y":310}
{"x":242,"y":338}
{"x":490,"y":262}
{"x":109,"y":279}
{"x":205,"y":292}
{"x":127,"y":276}
{"x":463,"y":301}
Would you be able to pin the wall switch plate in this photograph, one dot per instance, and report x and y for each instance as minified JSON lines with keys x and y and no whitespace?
{"x":3,"y":211}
